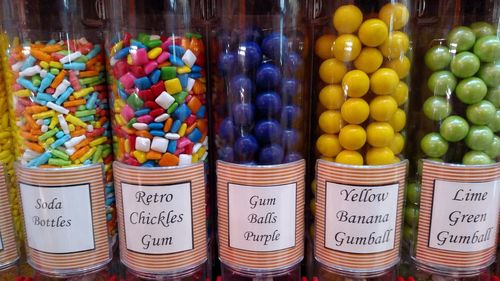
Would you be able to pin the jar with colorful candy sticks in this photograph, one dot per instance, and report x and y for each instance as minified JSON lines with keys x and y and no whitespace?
{"x":260,"y":107}
{"x":56,"y":71}
{"x":453,"y":203}
{"x":362,"y":61}
{"x":157,"y":73}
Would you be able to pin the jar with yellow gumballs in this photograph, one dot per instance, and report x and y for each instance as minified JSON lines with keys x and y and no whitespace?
{"x":361,"y":68}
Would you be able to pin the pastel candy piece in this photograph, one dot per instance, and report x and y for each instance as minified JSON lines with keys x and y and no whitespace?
{"x":154,"y":53}
{"x":159,"y":144}
{"x":149,"y":164}
{"x":289,"y":88}
{"x":190,"y":84}
{"x":274,"y":45}
{"x":127,"y":112}
{"x":173,"y":86}
{"x":127,"y":80}
{"x":165,"y":100}
{"x":241,"y":88}
{"x":150,"y":67}
{"x":189,"y":58}
{"x":155,"y":126}
{"x":142,"y":83}
{"x":183,"y":78}
{"x":226,"y":154}
{"x":249,"y":55}
{"x":182,"y":112}
{"x":139,"y":57}
{"x":290,"y":139}
{"x":157,"y":133}
{"x":143,"y":111}
{"x":291,"y":115}
{"x":75,"y":66}
{"x":122,"y":53}
{"x":292,"y":64}
{"x":168,"y":72}
{"x":185,"y":159}
{"x":142,"y":144}
{"x":135,"y":101}
{"x":201,"y":112}
{"x":227,"y":62}
{"x":245,"y":148}
{"x":172,"y":145}
{"x":176,"y":126}
{"x":162,"y":117}
{"x":140,"y":126}
{"x":195,"y":135}
{"x":194,"y":104}
{"x":292,"y":157}
{"x":243,"y":114}
{"x":173,"y":136}
{"x":227,"y":130}
{"x":163,"y":57}
{"x":175,"y":60}
{"x":195,"y":75}
{"x":146,"y":95}
{"x":268,"y":76}
{"x":268,"y":104}
{"x":155,"y":76}
{"x":271,"y":155}
{"x":145,"y":119}
{"x":268,"y":131}
{"x":176,"y":50}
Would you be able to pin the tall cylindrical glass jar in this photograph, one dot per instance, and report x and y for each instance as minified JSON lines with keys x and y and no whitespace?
{"x":61,"y":130}
{"x":156,"y":59}
{"x":452,"y":215}
{"x":362,"y":61}
{"x":260,"y":106}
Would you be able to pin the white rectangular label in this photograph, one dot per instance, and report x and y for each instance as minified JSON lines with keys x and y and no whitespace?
{"x":158,"y":219}
{"x":58,"y":219}
{"x":360,"y":219}
{"x":464,"y":216}
{"x":262,"y":218}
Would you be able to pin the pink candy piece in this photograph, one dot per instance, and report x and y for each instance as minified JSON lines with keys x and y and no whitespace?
{"x":139,"y":57}
{"x":145,"y":119}
{"x":190,"y":120}
{"x":137,"y":71}
{"x":163,"y":57}
{"x":50,"y":90}
{"x":127,"y":112}
{"x":127,"y":80}
{"x":167,"y":43}
{"x":150,"y":67}
{"x":17,"y":87}
{"x":57,"y":56}
{"x":178,"y":151}
{"x":182,"y":142}
{"x":120,"y":68}
{"x":73,"y":79}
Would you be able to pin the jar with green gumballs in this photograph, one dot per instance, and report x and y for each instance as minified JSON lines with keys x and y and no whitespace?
{"x":452,"y":199}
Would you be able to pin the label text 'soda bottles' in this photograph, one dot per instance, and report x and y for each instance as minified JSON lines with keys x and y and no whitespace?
{"x":452,"y":213}
{"x":157,"y":73}
{"x":61,"y":130}
{"x":260,"y":106}
{"x":362,"y":61}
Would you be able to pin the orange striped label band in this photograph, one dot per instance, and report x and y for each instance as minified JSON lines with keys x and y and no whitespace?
{"x":261,"y":215}
{"x":8,"y":248}
{"x":161,"y":217}
{"x":65,"y":218}
{"x":459,"y":207}
{"x":358,"y":216}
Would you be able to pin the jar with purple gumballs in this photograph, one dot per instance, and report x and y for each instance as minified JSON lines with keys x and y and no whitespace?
{"x":260,"y":107}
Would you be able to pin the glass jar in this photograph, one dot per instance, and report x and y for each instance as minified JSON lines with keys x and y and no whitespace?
{"x":452,"y":214}
{"x":362,"y":64}
{"x":56,"y":77}
{"x":260,"y":104}
{"x":157,"y":73}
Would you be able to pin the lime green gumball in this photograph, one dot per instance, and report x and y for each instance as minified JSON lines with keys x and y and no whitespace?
{"x":490,"y":73}
{"x":479,"y":138}
{"x":487,"y":48}
{"x":493,"y":150}
{"x":437,"y":58}
{"x":494,"y":125}
{"x":433,"y":145}
{"x":493,"y":95}
{"x":442,"y":83}
{"x":476,"y":158}
{"x":461,"y":38}
{"x":482,"y":29}
{"x":465,"y":64}
{"x":481,"y":113}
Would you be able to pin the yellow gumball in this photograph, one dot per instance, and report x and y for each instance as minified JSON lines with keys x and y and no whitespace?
{"x":328,"y":145}
{"x":346,"y":47}
{"x":329,"y":159}
{"x":401,"y":93}
{"x":397,"y":144}
{"x":382,"y":108}
{"x":384,"y":81}
{"x":395,"y":15}
{"x":379,"y":156}
{"x":379,"y":134}
{"x":373,"y":32}
{"x":355,"y":110}
{"x":396,"y":45}
{"x":352,"y":137}
{"x":398,"y":120}
{"x":356,"y":83}
{"x":331,"y":96}
{"x":347,"y":19}
{"x":401,"y":65}
{"x":324,"y":46}
{"x":330,"y":121}
{"x":331,"y":71}
{"x":369,"y":60}
{"x":349,"y":157}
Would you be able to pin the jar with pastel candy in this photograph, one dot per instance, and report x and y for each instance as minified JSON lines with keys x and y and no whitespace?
{"x":56,"y":80}
{"x":156,"y":55}
{"x":451,"y":217}
{"x":260,"y":104}
{"x":361,"y":72}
